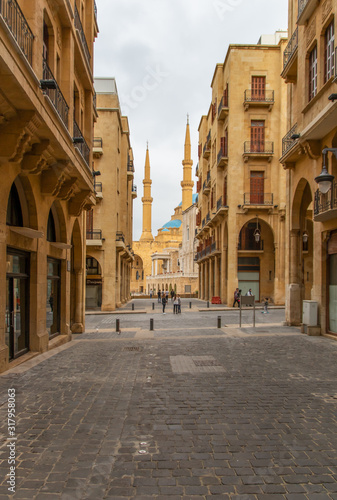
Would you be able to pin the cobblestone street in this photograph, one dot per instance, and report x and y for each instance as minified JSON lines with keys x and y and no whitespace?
{"x":186,"y":411}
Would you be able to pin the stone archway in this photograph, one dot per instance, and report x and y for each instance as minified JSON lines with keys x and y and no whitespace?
{"x":301,"y":254}
{"x":137,"y":273}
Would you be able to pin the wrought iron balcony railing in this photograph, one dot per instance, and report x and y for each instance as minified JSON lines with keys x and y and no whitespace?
{"x":80,"y":143}
{"x":223,"y":104}
{"x":251,"y":245}
{"x":94,"y":234}
{"x":208,"y":140}
{"x":134,"y":188}
{"x":223,"y":153}
{"x":55,"y":94}
{"x":94,"y":99}
{"x":301,"y":6}
{"x":207,"y":150}
{"x":290,"y":48}
{"x":262,"y":147}
{"x":98,"y":142}
{"x":120,"y":236}
{"x":325,"y":202}
{"x":130,"y":167}
{"x":219,"y":203}
{"x":18,"y":26}
{"x":258,"y":198}
{"x":79,"y":27}
{"x":208,"y":217}
{"x":289,"y":139}
{"x":265,"y":96}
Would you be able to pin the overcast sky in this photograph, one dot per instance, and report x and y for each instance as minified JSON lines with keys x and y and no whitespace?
{"x":163,"y":55}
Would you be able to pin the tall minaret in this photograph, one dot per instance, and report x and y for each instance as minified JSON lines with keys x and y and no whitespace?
{"x":147,"y":201}
{"x":187,"y":183}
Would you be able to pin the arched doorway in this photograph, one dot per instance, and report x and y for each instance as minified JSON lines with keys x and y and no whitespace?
{"x":137,"y":275}
{"x":256,"y":259}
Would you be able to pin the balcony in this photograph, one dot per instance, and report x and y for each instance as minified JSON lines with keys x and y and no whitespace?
{"x":290,"y":57}
{"x":258,"y":149}
{"x":325,"y":205}
{"x":305,"y":10}
{"x":79,"y":27}
{"x":208,"y":140}
{"x":80,"y":143}
{"x":222,"y":159}
{"x":130,"y":169}
{"x":289,"y":141}
{"x":52,"y":90}
{"x":207,"y":184}
{"x":265,"y":98}
{"x":221,"y":210}
{"x":97,"y":147}
{"x":261,"y":199}
{"x":18,"y":26}
{"x":134,"y":191}
{"x":94,"y":238}
{"x":206,"y":151}
{"x":223,"y":108}
{"x":98,"y":187}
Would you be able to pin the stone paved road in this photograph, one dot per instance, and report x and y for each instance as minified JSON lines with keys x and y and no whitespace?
{"x":212,"y":414}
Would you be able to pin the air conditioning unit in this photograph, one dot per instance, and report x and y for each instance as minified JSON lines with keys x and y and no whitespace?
{"x":310,"y":312}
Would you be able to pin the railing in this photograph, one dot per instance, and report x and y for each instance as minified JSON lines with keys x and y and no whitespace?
{"x":18,"y":26}
{"x":263,"y":96}
{"x":120,"y":236}
{"x":94,"y":99}
{"x":134,"y":188}
{"x":301,"y":6}
{"x":326,"y":201}
{"x":208,"y":137}
{"x":258,"y":198}
{"x":290,"y":48}
{"x":251,"y":245}
{"x":208,"y":217}
{"x":208,"y":178}
{"x":219,"y":203}
{"x":203,"y":222}
{"x":98,"y":142}
{"x":80,"y":143}
{"x":98,"y":187}
{"x":95,"y":9}
{"x":287,"y":141}
{"x":213,"y":247}
{"x":79,"y":27}
{"x":130,"y":167}
{"x":223,"y":153}
{"x":94,"y":234}
{"x":223,"y":104}
{"x":206,"y":149}
{"x":55,"y":95}
{"x":265,"y":147}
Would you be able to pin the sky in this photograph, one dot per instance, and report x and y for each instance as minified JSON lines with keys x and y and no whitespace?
{"x":163,"y":54}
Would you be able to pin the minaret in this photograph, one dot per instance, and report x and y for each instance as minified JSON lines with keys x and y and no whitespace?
{"x":187,"y":183}
{"x":147,"y":201}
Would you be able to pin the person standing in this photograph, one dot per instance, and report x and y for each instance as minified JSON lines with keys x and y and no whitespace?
{"x":236,"y":297}
{"x":175,"y":305}
{"x":164,"y":302}
{"x":179,"y":305}
{"x":151,"y":293}
{"x":159,"y":295}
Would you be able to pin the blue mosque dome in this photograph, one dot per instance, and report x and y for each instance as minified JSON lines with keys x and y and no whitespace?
{"x":176,"y":223}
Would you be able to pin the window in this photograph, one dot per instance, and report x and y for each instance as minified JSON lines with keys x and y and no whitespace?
{"x":51,"y":232}
{"x":329,"y":52}
{"x":313,"y":73}
{"x":14,"y":211}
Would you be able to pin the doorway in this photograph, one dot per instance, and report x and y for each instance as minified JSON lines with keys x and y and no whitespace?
{"x":17,"y":303}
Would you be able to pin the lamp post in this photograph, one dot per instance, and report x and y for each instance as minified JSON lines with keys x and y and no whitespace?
{"x":257,"y":232}
{"x":324,"y":179}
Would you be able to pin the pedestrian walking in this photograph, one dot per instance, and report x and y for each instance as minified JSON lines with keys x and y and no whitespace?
{"x":164,"y":302}
{"x":166,"y":294}
{"x":236,"y":297}
{"x":172,"y":295}
{"x":159,"y":296}
{"x":266,"y":304}
{"x":179,"y":305}
{"x":151,"y":293}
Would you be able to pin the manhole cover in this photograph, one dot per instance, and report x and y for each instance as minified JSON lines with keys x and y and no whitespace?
{"x":132,"y":348}
{"x":205,"y":362}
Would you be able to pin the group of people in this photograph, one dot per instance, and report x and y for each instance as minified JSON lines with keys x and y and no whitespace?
{"x":237,"y":298}
{"x":163,"y":298}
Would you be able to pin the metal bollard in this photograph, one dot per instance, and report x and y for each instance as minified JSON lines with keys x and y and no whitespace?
{"x":151,"y":325}
{"x":207,"y":304}
{"x":132,"y":306}
{"x":152,"y":306}
{"x":117,"y":325}
{"x":219,"y":321}
{"x":190,"y":305}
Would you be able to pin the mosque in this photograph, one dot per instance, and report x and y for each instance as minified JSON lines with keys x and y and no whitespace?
{"x":166,"y":262}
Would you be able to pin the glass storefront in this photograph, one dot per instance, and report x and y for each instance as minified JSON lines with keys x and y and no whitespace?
{"x":17,"y":305}
{"x":53,"y":297}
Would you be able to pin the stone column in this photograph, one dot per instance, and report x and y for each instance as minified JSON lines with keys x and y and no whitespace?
{"x":294,"y":305}
{"x":216,"y":273}
{"x":78,"y":326}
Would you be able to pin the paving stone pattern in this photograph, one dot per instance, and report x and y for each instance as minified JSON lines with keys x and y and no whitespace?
{"x":177,"y":418}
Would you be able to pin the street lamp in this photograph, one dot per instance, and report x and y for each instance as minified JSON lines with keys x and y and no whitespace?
{"x":324,"y":179}
{"x":257,"y":232}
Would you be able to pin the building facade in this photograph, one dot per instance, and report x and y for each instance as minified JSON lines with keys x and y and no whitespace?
{"x":109,"y":224}
{"x":166,"y":262}
{"x":241,"y":186}
{"x":46,"y":127}
{"x":309,"y":69}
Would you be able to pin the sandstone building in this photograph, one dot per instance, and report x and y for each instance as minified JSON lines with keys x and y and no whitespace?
{"x":242,"y":197}
{"x":109,"y":224}
{"x":47,"y":110}
{"x":166,"y":262}
{"x":309,"y":69}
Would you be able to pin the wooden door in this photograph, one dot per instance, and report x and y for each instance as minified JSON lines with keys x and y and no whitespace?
{"x":257,"y":188}
{"x":257,"y":136}
{"x":258,"y":88}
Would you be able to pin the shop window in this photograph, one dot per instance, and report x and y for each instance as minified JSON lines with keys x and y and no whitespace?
{"x":53,"y":306}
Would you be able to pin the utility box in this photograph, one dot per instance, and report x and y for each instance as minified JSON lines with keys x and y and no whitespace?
{"x":310,"y":312}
